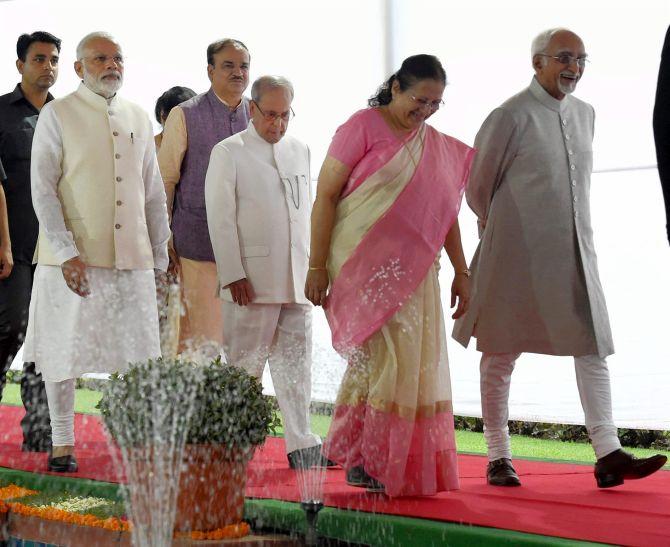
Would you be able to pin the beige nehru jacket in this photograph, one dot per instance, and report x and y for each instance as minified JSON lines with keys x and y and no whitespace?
{"x":108,"y":185}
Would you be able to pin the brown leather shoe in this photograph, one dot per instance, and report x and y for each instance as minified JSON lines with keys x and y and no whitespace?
{"x":501,"y":473}
{"x":617,"y":466}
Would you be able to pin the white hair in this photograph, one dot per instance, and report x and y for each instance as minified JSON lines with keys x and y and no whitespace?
{"x":541,"y":41}
{"x":93,"y":36}
{"x":265,"y":83}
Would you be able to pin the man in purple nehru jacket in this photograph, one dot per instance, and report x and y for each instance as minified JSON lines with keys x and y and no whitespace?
{"x":191,"y":131}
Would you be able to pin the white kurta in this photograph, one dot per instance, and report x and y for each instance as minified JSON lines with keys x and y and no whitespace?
{"x":115,"y":325}
{"x":69,"y":335}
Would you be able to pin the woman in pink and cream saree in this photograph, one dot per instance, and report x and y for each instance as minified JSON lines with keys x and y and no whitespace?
{"x":387,"y":203}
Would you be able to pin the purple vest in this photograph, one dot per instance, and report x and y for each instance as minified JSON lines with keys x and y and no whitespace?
{"x":208,"y":122}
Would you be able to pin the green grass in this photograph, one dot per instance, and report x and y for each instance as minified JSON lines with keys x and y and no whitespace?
{"x":467,"y":441}
{"x":84,"y":401}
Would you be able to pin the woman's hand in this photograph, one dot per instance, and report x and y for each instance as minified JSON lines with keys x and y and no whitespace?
{"x":316,"y":286}
{"x":460,"y":290}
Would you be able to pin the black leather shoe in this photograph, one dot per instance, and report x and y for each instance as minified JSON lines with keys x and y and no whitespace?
{"x":305,"y":458}
{"x":63,"y":464}
{"x":617,"y":466}
{"x":356,"y":476}
{"x":501,"y":473}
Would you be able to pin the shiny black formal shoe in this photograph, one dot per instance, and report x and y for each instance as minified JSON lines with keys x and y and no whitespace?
{"x":305,"y":458}
{"x":620,"y":466}
{"x":63,"y":464}
{"x":501,"y":473}
{"x":356,"y":476}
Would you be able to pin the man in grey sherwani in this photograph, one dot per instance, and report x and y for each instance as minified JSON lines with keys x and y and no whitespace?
{"x":535,"y":275}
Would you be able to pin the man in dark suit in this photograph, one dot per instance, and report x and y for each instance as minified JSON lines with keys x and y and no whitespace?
{"x":38,"y":65}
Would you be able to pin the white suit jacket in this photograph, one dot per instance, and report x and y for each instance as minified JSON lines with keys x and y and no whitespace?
{"x":258,"y":198}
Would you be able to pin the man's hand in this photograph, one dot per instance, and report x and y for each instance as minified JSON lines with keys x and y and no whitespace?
{"x":74,"y":272}
{"x":241,"y":291}
{"x":6,"y":261}
{"x":460,"y":289}
{"x":161,"y":286}
{"x":316,"y":287}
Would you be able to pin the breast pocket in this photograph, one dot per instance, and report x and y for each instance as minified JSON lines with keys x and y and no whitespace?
{"x":255,"y":251}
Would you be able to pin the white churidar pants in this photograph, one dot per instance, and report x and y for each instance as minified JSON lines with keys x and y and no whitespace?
{"x":593,"y":382}
{"x":60,"y":396}
{"x":280,"y":334}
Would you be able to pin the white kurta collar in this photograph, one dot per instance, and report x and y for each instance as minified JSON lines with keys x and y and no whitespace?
{"x":92,"y":98}
{"x":547,"y":100}
{"x":251,"y":130}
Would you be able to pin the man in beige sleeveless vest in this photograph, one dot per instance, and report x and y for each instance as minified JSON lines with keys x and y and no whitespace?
{"x":100,"y":202}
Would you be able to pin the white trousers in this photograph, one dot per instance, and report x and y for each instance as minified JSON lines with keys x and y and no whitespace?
{"x":593,"y":382}
{"x":60,"y":396}
{"x":280,"y":334}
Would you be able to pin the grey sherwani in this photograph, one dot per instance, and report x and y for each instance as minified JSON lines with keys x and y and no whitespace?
{"x":535,"y":276}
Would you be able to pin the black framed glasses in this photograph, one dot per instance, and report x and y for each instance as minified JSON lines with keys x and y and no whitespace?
{"x":274,"y":116}
{"x":567,"y":59}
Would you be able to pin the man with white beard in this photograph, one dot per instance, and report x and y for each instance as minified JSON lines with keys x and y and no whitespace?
{"x":102,"y":247}
{"x":535,"y":275}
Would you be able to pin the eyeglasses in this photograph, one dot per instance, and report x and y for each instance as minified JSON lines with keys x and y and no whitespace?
{"x":274,"y":116}
{"x":567,"y":59}
{"x":423,"y":103}
{"x":102,"y":60}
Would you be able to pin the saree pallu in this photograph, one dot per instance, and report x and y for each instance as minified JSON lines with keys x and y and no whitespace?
{"x":393,"y":413}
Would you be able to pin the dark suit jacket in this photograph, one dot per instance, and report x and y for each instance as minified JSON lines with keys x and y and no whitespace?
{"x":662,"y":125}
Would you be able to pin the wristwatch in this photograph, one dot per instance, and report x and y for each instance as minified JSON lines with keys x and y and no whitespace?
{"x":466,"y":273}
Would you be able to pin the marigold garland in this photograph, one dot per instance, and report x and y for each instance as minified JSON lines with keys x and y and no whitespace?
{"x":51,"y":513}
{"x":232,"y":531}
{"x":3,"y":508}
{"x":14,"y":491}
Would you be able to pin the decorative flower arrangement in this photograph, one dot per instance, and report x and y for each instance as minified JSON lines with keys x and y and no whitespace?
{"x":52,"y":513}
{"x":68,"y":510}
{"x":193,"y":428}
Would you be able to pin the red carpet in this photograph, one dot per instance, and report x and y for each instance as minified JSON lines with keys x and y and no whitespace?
{"x":555,"y":499}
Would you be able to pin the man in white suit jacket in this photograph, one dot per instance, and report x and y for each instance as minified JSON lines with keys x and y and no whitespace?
{"x":258,"y":199}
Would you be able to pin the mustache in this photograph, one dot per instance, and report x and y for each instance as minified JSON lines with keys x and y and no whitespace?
{"x":115,"y":73}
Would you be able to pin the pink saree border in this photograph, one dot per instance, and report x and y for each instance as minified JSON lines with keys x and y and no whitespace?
{"x":409,"y":457}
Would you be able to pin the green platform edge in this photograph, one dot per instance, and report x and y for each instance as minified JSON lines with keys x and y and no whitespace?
{"x":374,"y":529}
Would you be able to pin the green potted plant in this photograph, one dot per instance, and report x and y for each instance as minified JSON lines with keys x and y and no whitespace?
{"x":194,"y":425}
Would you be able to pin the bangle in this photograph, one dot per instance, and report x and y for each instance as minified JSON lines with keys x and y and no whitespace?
{"x":466,"y":273}
{"x":314,"y":269}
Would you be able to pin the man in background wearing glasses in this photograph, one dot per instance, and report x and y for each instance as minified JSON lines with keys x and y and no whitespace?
{"x":191,"y":131}
{"x":535,"y":276}
{"x":258,"y":199}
